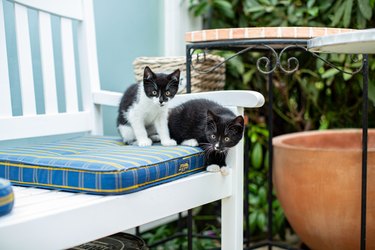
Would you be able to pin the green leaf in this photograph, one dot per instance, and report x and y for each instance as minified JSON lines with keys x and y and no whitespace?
{"x":257,"y":155}
{"x":200,"y":8}
{"x":329,"y":73}
{"x":313,"y":11}
{"x":248,"y":76}
{"x":256,"y":9}
{"x":262,"y":222}
{"x":366,"y":10}
{"x":253,"y":221}
{"x":371,"y":91}
{"x":338,"y":15}
{"x":235,"y":64}
{"x":262,"y":195}
{"x":347,"y":76}
{"x":224,"y":7}
{"x":310,"y":3}
{"x":361,"y":20}
{"x":347,"y":13}
{"x":254,"y":137}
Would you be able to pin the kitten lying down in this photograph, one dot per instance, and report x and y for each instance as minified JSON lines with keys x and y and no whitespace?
{"x":142,"y":115}
{"x":211,"y":126}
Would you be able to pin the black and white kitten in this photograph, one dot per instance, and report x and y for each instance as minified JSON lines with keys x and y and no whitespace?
{"x":209,"y":125}
{"x":143,"y":110}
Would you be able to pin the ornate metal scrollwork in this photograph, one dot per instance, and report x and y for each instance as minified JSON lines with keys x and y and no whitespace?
{"x":290,"y":61}
{"x":268,"y":65}
{"x":265,"y":65}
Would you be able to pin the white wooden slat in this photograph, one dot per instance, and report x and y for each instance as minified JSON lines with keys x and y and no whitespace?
{"x":151,"y":204}
{"x":88,"y":62}
{"x":66,"y":8}
{"x":27,"y":192}
{"x":42,"y":125}
{"x":39,"y":199}
{"x":70,"y":81}
{"x":48,"y":63}
{"x":24,"y":60}
{"x":5,"y":99}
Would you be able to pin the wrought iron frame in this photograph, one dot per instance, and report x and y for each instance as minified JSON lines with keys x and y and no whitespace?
{"x":268,"y":68}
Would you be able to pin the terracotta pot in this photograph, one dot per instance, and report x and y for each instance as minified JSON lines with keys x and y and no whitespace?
{"x":317,"y":177}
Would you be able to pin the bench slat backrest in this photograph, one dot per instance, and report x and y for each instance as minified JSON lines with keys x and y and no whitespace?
{"x":64,"y":108}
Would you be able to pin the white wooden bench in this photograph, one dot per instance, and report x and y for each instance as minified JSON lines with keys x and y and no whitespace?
{"x":52,"y":219}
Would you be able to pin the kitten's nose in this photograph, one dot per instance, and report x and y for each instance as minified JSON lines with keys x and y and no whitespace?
{"x":161,"y":99}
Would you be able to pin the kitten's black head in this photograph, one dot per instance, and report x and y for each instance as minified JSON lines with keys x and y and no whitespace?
{"x":160,"y":87}
{"x":223,"y":133}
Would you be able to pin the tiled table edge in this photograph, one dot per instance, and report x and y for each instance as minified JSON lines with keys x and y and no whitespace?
{"x":261,"y":33}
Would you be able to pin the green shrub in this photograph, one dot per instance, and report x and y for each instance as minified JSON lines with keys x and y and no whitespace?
{"x":316,"y":96}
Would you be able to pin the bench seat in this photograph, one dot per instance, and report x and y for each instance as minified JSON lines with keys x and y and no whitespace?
{"x":97,"y":164}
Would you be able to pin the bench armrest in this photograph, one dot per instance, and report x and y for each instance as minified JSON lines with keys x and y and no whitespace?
{"x":239,"y":98}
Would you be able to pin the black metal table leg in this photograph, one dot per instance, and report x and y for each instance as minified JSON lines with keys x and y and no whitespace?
{"x":364,"y":151}
{"x":270,"y":157}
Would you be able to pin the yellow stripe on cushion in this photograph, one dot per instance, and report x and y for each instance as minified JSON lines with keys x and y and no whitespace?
{"x":6,"y":199}
{"x":109,"y":190}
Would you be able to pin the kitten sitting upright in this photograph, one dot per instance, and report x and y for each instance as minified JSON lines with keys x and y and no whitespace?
{"x":143,"y":110}
{"x":209,"y":125}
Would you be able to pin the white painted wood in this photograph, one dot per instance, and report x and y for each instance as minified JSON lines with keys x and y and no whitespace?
{"x":177,"y":20}
{"x":105,"y":97}
{"x":79,"y":218}
{"x":157,"y":223}
{"x":88,"y":62}
{"x":69,"y":69}
{"x":67,"y":8}
{"x":5,"y":99}
{"x":24,"y":60}
{"x":232,"y":207}
{"x":42,"y":125}
{"x":241,"y":98}
{"x":48,"y":63}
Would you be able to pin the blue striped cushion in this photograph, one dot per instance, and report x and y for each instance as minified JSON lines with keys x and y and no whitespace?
{"x":100,"y":165}
{"x":6,"y":197}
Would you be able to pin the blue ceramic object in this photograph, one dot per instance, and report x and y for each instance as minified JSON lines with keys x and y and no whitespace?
{"x":6,"y":197}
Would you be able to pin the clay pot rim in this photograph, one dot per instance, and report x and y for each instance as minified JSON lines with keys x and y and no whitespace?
{"x":279,"y":141}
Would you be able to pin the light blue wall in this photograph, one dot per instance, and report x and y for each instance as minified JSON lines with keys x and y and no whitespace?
{"x":125,"y":30}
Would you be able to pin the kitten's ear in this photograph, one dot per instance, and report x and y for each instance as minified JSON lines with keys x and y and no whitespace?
{"x":239,"y":121}
{"x":175,"y":75}
{"x":148,"y":74}
{"x":238,"y":124}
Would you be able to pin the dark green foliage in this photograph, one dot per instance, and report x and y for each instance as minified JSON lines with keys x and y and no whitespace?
{"x":315,"y":97}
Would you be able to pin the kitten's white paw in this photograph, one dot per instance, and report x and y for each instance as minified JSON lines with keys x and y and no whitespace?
{"x":155,"y":138}
{"x":190,"y":143}
{"x":224,"y":170}
{"x":213,"y":168}
{"x":169,"y":142}
{"x":145,"y":142}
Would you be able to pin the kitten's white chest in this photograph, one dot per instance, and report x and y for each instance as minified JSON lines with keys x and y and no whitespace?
{"x":146,"y":110}
{"x":151,"y":111}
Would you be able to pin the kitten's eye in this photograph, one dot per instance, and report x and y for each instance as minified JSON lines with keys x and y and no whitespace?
{"x":226,"y":139}
{"x":154,"y":92}
{"x":213,"y":136}
{"x":167,"y":93}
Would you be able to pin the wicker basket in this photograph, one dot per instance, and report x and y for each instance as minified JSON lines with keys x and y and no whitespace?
{"x":200,"y":82}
